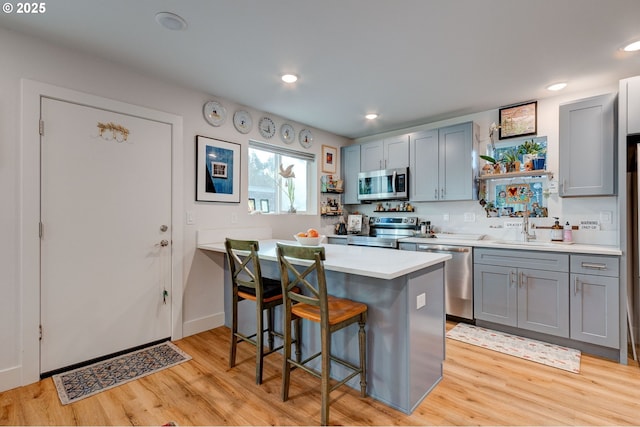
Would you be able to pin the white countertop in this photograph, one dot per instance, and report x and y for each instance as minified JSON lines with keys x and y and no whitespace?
{"x":547,"y":246}
{"x":361,"y":260}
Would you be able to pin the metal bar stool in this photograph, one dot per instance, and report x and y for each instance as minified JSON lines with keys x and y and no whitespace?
{"x":315,"y":305}
{"x":248,"y":284}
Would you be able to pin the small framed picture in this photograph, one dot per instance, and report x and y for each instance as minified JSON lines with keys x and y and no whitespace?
{"x":518,"y":120}
{"x":329,"y":159}
{"x":264,"y":205}
{"x":252,"y":205}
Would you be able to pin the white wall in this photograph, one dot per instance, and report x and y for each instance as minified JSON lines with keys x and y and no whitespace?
{"x":568,"y":209}
{"x":25,"y":57}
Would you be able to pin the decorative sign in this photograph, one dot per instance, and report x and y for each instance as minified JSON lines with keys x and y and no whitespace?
{"x":589,"y":225}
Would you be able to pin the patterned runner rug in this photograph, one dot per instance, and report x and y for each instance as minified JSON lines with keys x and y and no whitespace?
{"x":92,"y":379}
{"x":525,"y":348}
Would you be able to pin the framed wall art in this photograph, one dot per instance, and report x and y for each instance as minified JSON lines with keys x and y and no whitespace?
{"x":329,"y":159}
{"x":518,"y":120}
{"x":217,"y":170}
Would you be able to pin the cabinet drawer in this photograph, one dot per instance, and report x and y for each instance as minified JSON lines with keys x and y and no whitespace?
{"x":552,"y":261}
{"x":595,"y":265}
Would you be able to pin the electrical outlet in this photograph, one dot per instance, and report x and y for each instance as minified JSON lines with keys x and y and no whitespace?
{"x":445,"y":217}
{"x":606,"y":217}
{"x":469,"y":217}
{"x":234,"y":218}
{"x":421,"y":301}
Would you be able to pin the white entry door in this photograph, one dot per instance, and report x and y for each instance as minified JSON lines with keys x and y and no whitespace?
{"x":106,"y":233}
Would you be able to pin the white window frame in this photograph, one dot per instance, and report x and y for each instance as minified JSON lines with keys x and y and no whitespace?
{"x":311,"y":172}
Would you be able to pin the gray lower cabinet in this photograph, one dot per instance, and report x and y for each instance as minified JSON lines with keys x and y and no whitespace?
{"x":594,"y":298}
{"x":350,"y":168}
{"x":523,"y":289}
{"x":587,"y":147}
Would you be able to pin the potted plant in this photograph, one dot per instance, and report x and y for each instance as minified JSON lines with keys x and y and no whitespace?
{"x":511,"y":160}
{"x":493,"y":165}
{"x":532,"y":155}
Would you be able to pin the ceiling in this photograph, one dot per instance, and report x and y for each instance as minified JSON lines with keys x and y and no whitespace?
{"x":410,"y":61}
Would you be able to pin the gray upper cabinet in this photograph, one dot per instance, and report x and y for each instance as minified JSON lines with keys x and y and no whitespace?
{"x":587,"y":147}
{"x":389,"y":153}
{"x":424,"y":166}
{"x":350,"y":169}
{"x":633,"y":105}
{"x":442,"y":164}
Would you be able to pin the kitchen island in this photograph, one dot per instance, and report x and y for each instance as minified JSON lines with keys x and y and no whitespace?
{"x":406,"y":322}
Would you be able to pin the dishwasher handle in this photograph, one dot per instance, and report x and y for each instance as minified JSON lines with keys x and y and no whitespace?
{"x":442,"y":248}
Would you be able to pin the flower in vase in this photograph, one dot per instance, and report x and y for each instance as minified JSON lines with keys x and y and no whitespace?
{"x":288,"y":184}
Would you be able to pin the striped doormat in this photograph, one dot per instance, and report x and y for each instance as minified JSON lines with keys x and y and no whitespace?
{"x":556,"y":356}
{"x":92,"y":379}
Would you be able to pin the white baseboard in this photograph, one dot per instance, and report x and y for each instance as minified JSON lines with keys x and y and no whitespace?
{"x":202,"y":324}
{"x":10,"y":378}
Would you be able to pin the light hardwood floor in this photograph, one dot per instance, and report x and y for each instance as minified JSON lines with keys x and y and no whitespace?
{"x":480,"y":387}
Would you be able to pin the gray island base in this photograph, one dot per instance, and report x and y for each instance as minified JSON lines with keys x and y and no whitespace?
{"x":406,"y":322}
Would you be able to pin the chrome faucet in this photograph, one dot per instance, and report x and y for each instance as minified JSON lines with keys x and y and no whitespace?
{"x":526,"y":236}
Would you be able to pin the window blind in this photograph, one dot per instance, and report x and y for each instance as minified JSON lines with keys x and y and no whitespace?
{"x":283,"y":151}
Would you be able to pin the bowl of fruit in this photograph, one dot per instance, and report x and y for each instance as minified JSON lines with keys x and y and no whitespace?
{"x":309,"y":238}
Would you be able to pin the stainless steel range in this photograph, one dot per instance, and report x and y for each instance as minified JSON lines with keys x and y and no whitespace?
{"x":384,"y":232}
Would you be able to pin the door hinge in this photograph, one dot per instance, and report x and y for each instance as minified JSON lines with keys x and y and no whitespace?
{"x":41,"y":127}
{"x":40,"y":229}
{"x":40,"y":332}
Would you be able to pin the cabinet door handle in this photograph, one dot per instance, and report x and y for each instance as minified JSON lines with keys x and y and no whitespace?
{"x":442,"y":193}
{"x":594,"y":266}
{"x":512,"y":278}
{"x":523,"y":279}
{"x":575,"y":286}
{"x":435,"y":193}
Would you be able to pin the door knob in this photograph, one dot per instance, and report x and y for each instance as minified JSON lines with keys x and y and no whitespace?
{"x":163,"y":228}
{"x":164,"y":243}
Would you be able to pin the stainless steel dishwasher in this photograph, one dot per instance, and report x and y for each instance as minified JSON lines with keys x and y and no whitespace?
{"x":458,"y":278}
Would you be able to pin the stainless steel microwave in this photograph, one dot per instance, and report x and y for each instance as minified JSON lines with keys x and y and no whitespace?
{"x":387,"y":184}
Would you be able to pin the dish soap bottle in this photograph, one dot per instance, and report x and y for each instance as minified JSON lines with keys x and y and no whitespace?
{"x":556,"y":231}
{"x":568,"y":233}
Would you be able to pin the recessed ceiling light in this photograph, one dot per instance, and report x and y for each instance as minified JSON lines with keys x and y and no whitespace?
{"x":557,"y":86}
{"x":371,"y":116}
{"x":632,"y":47}
{"x":171,"y":21}
{"x":289,"y":78}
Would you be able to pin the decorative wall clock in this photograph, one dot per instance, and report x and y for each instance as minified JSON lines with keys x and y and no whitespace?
{"x":266,"y":127}
{"x":214,"y":113}
{"x":287,"y":134}
{"x":242,"y":121}
{"x":306,"y":138}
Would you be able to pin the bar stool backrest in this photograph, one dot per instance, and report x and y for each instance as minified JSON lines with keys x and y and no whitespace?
{"x":244,"y":272}
{"x":309,"y":278}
